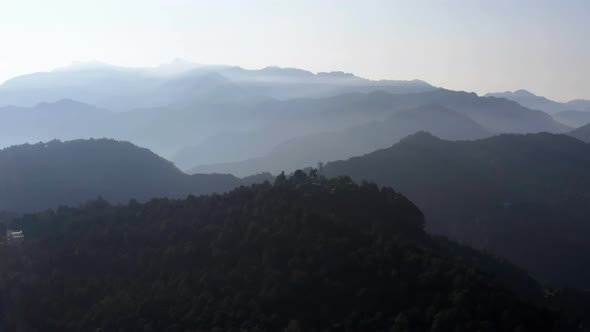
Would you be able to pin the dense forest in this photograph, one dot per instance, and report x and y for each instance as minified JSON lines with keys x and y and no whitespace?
{"x":39,"y":176}
{"x":524,"y":197}
{"x":304,"y":254}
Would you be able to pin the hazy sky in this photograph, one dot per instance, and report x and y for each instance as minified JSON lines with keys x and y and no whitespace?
{"x":480,"y":46}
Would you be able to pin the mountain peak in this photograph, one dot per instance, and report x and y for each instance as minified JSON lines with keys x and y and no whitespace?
{"x":276,"y":70}
{"x":420,"y":137}
{"x":336,"y":74}
{"x":508,"y":94}
{"x":523,"y":92}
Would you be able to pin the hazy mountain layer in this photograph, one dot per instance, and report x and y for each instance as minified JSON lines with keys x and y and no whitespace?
{"x":532,"y":101}
{"x":304,"y":151}
{"x":573,"y":118}
{"x":200,"y":115}
{"x":119,"y":88}
{"x":293,"y":119}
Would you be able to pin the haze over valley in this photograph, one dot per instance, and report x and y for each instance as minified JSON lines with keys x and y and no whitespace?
{"x":408,"y":167}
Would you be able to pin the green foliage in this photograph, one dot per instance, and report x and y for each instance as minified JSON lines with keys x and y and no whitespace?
{"x":307,"y":254}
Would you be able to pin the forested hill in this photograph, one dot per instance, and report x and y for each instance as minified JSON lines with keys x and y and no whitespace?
{"x":306,"y":254}
{"x":525,"y":197}
{"x":45,"y":175}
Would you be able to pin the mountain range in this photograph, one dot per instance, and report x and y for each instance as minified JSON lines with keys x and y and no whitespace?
{"x":523,"y":197}
{"x":181,"y":83}
{"x":532,"y":101}
{"x":167,"y":108}
{"x":381,"y":118}
{"x":200,"y":115}
{"x":304,"y":151}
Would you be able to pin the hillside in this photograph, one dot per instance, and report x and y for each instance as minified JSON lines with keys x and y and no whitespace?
{"x":306,"y":254}
{"x":582,"y":133}
{"x":45,"y":175}
{"x":523,"y":197}
{"x":303,"y":151}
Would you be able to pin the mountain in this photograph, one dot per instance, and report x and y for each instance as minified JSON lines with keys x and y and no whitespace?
{"x":582,"y":133}
{"x":202,"y":115}
{"x":495,"y":114}
{"x":181,"y":83}
{"x":45,"y":175}
{"x":579,"y":104}
{"x":93,"y":84}
{"x":166,"y":108}
{"x":573,"y":118}
{"x":209,"y":114}
{"x":283,"y":120}
{"x":524,"y":197}
{"x":532,"y":101}
{"x":292,"y":119}
{"x":64,"y":119}
{"x":306,"y":254}
{"x":163,"y":130}
{"x":303,"y":151}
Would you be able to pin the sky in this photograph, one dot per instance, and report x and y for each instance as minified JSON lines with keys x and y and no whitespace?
{"x":471,"y":45}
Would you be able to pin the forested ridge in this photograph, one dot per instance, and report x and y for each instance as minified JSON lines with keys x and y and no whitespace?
{"x":304,"y":254}
{"x":523,"y":197}
{"x":39,"y":176}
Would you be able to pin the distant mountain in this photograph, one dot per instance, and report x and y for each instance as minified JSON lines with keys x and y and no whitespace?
{"x":573,"y":118}
{"x":170,"y":107}
{"x":304,"y":151}
{"x":495,"y":114}
{"x":94,"y":84}
{"x":579,"y":104}
{"x":524,"y":197}
{"x":199,"y":114}
{"x":163,"y":130}
{"x":182,"y":83}
{"x":291,"y":120}
{"x":306,"y":254}
{"x":532,"y":101}
{"x":45,"y":175}
{"x":582,"y":133}
{"x":281,"y":121}
{"x":64,"y":119}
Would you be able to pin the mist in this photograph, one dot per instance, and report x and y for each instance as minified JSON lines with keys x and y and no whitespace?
{"x":294,"y":166}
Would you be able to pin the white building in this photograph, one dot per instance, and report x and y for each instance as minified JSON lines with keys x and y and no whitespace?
{"x":14,"y":237}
